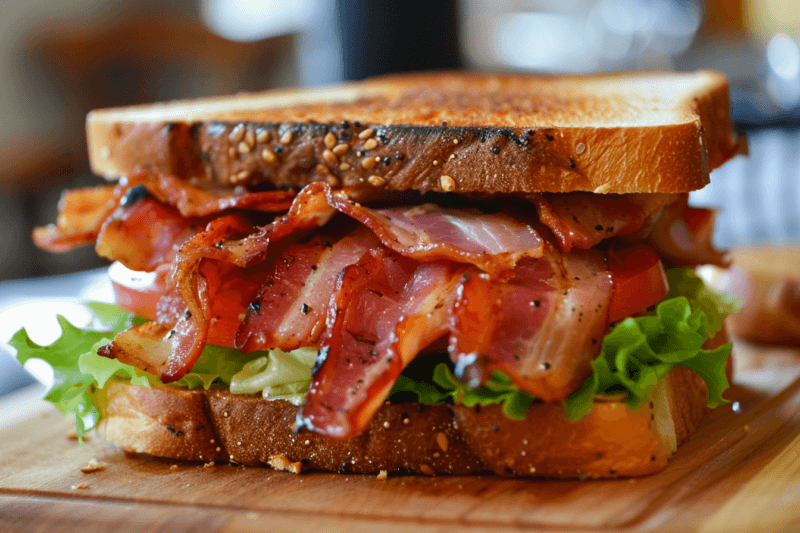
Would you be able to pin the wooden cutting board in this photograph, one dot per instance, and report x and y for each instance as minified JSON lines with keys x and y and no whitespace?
{"x":740,"y":472}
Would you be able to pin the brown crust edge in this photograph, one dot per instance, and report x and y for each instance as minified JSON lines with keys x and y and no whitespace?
{"x":216,"y":426}
{"x":612,"y":159}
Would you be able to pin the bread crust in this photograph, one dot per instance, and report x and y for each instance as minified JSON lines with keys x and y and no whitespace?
{"x":217,"y":426}
{"x":484,"y":133}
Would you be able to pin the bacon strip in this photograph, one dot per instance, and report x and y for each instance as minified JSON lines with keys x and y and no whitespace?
{"x":196,"y":202}
{"x":583,"y":219}
{"x":542,"y":328}
{"x":683,"y":236}
{"x":144,"y":235}
{"x":81,"y":213}
{"x":494,"y":242}
{"x":385,"y":310}
{"x":291,"y":308}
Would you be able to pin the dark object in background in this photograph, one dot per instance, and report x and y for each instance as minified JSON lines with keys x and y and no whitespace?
{"x":396,"y":36}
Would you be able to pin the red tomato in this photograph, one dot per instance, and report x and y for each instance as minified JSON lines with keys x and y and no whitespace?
{"x":138,"y":292}
{"x":639,"y":281}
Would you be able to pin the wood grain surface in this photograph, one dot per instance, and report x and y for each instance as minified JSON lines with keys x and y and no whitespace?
{"x":739,"y":472}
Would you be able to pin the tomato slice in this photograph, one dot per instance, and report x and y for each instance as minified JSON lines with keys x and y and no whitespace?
{"x":138,"y":292}
{"x":639,"y":281}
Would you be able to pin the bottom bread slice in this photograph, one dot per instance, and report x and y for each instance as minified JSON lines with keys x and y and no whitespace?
{"x":215,"y":425}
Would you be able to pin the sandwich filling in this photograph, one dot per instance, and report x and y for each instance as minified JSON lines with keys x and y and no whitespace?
{"x":338,"y":306}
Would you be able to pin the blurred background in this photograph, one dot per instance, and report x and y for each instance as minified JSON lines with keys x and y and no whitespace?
{"x":62,"y":59}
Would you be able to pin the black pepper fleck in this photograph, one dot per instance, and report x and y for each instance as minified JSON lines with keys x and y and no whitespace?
{"x":305,"y":309}
{"x":571,"y":163}
{"x":549,"y":137}
{"x":598,"y":227}
{"x":278,"y":149}
{"x":387,"y":160}
{"x":495,"y":150}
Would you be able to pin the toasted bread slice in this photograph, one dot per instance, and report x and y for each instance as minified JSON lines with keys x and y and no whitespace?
{"x":461,"y":132}
{"x":217,"y":426}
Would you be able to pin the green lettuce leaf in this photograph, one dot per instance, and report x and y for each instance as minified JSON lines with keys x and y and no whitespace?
{"x":277,"y":375}
{"x":639,"y":352}
{"x":716,"y":305}
{"x":446,"y":388}
{"x":80,"y":375}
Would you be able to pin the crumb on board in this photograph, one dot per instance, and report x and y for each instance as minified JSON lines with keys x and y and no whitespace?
{"x":209,"y":464}
{"x":173,"y":467}
{"x":73,"y":435}
{"x":383,"y":474}
{"x":80,"y":486}
{"x":281,"y":462}
{"x":93,"y":466}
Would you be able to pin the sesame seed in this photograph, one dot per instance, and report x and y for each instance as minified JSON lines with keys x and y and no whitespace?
{"x":435,"y":162}
{"x":580,"y":148}
{"x":368,"y":163}
{"x":237,"y":134}
{"x":307,"y":442}
{"x":406,"y":421}
{"x":427,"y":470}
{"x":330,"y":158}
{"x":219,"y":449}
{"x":263,"y":136}
{"x":322,"y":169}
{"x":376,"y":181}
{"x":330,"y":140}
{"x":243,"y":147}
{"x":370,"y":144}
{"x":269,"y":156}
{"x":436,"y":455}
{"x":287,"y":137}
{"x":532,"y":470}
{"x":441,"y":440}
{"x":333,"y":181}
{"x":386,"y":425}
{"x":225,"y":414}
{"x":455,"y":141}
{"x":448,"y":183}
{"x":212,"y":441}
{"x":366,"y":134}
{"x":250,"y":138}
{"x":359,"y":153}
{"x":231,"y":152}
{"x":241,"y":176}
{"x":344,"y":166}
{"x":340,"y":149}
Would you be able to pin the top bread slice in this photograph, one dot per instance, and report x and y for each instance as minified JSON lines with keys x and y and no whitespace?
{"x":437,"y":131}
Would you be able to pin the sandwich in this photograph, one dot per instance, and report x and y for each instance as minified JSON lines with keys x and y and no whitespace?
{"x":434,"y":273}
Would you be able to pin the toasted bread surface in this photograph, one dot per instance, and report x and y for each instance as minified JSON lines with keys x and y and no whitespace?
{"x":453,"y":132}
{"x":218,"y":426}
